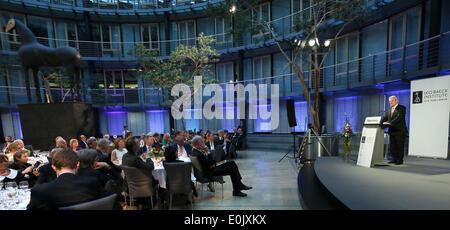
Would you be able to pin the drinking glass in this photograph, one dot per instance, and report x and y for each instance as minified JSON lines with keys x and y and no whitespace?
{"x":23,"y":185}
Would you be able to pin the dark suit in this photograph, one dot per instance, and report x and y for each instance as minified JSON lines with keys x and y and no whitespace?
{"x":186,"y":146}
{"x":133,"y":160}
{"x":114,"y":172}
{"x":68,"y":189}
{"x":229,"y":168}
{"x":144,"y":149}
{"x":82,"y":144}
{"x":397,"y":132}
{"x":46,"y":174}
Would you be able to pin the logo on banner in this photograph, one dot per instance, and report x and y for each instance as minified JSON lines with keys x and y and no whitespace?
{"x":417,"y":97}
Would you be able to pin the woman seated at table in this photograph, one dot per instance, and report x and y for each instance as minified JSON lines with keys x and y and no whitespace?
{"x":119,"y":151}
{"x":170,"y":155}
{"x":12,"y":148}
{"x":7,"y":174}
{"x":167,"y":140}
{"x":21,"y":164}
{"x":73,"y":143}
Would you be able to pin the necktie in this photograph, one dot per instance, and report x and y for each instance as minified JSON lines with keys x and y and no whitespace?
{"x":181,"y":151}
{"x":392,"y":111}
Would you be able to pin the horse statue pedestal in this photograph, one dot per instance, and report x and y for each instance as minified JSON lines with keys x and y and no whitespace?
{"x":41,"y":123}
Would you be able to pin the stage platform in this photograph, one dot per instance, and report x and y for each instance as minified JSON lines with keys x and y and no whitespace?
{"x":418,"y":184}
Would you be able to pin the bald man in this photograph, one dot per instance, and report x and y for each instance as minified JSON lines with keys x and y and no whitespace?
{"x":394,"y":119}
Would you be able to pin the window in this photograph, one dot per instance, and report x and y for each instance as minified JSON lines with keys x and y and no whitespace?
{"x":43,"y":29}
{"x":110,"y":39}
{"x":262,"y":69}
{"x":150,"y":36}
{"x":66,"y":34}
{"x":224,"y":72}
{"x":16,"y":79}
{"x":222,"y":30}
{"x":404,"y":31}
{"x":148,"y":3}
{"x":301,"y":11}
{"x":186,"y":33}
{"x":302,"y":60}
{"x":261,"y":15}
{"x":346,"y":54}
{"x":12,"y":40}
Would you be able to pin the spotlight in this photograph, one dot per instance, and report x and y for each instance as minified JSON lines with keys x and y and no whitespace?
{"x":231,"y":81}
{"x":233,"y":9}
{"x":327,"y":43}
{"x":311,"y":42}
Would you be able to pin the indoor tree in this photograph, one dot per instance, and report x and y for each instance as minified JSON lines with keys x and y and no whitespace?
{"x":181,"y":66}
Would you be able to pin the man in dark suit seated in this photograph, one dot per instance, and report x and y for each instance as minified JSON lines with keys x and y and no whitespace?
{"x":149,"y":144}
{"x":132,"y":159}
{"x":82,"y":142}
{"x":183,"y":149}
{"x":230,"y":168}
{"x":68,"y":189}
{"x":46,"y":172}
{"x":394,"y":119}
{"x":108,"y":168}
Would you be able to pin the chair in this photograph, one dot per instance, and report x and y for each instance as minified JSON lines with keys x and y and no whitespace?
{"x":139,"y":184}
{"x":219,"y":153}
{"x":198,"y":173}
{"x":178,"y":179}
{"x":105,"y":203}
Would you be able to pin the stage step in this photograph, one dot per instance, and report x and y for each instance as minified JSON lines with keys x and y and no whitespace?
{"x":270,"y":141}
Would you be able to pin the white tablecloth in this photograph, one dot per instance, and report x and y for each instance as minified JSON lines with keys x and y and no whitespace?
{"x":19,"y":202}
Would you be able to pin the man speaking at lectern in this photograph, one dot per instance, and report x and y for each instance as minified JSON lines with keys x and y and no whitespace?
{"x":394,"y":119}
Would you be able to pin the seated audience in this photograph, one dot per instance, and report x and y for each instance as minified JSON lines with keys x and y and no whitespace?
{"x":46,"y":172}
{"x":73,"y":143}
{"x":8,"y":140}
{"x":157,"y":142}
{"x":230,"y":168}
{"x":54,"y":146}
{"x":141,"y":140}
{"x":67,"y":189}
{"x":82,"y":142}
{"x":21,"y":164}
{"x":149,"y":144}
{"x":210,"y":143}
{"x":7,"y":174}
{"x":183,"y":149}
{"x":132,"y":159}
{"x":88,"y":164}
{"x":119,"y":151}
{"x":22,"y":147}
{"x":106,"y":137}
{"x":220,"y":139}
{"x":92,"y":143}
{"x":103,"y":156}
{"x":61,"y":143}
{"x":12,"y":148}
{"x":167,"y":140}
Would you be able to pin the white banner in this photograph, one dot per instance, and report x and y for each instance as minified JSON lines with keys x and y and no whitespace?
{"x":429,"y":118}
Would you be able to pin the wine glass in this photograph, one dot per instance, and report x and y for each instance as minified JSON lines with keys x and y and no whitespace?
{"x":11,"y":190}
{"x":23,"y":185}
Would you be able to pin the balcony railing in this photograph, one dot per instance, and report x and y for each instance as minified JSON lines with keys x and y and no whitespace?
{"x":114,"y":4}
{"x":411,"y":60}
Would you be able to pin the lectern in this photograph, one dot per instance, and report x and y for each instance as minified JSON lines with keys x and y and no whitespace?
{"x":371,"y":147}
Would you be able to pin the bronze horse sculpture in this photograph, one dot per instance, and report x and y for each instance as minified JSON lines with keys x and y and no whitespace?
{"x":34,"y":55}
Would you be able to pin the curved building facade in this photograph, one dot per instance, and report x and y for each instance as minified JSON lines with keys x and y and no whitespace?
{"x":373,"y":58}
